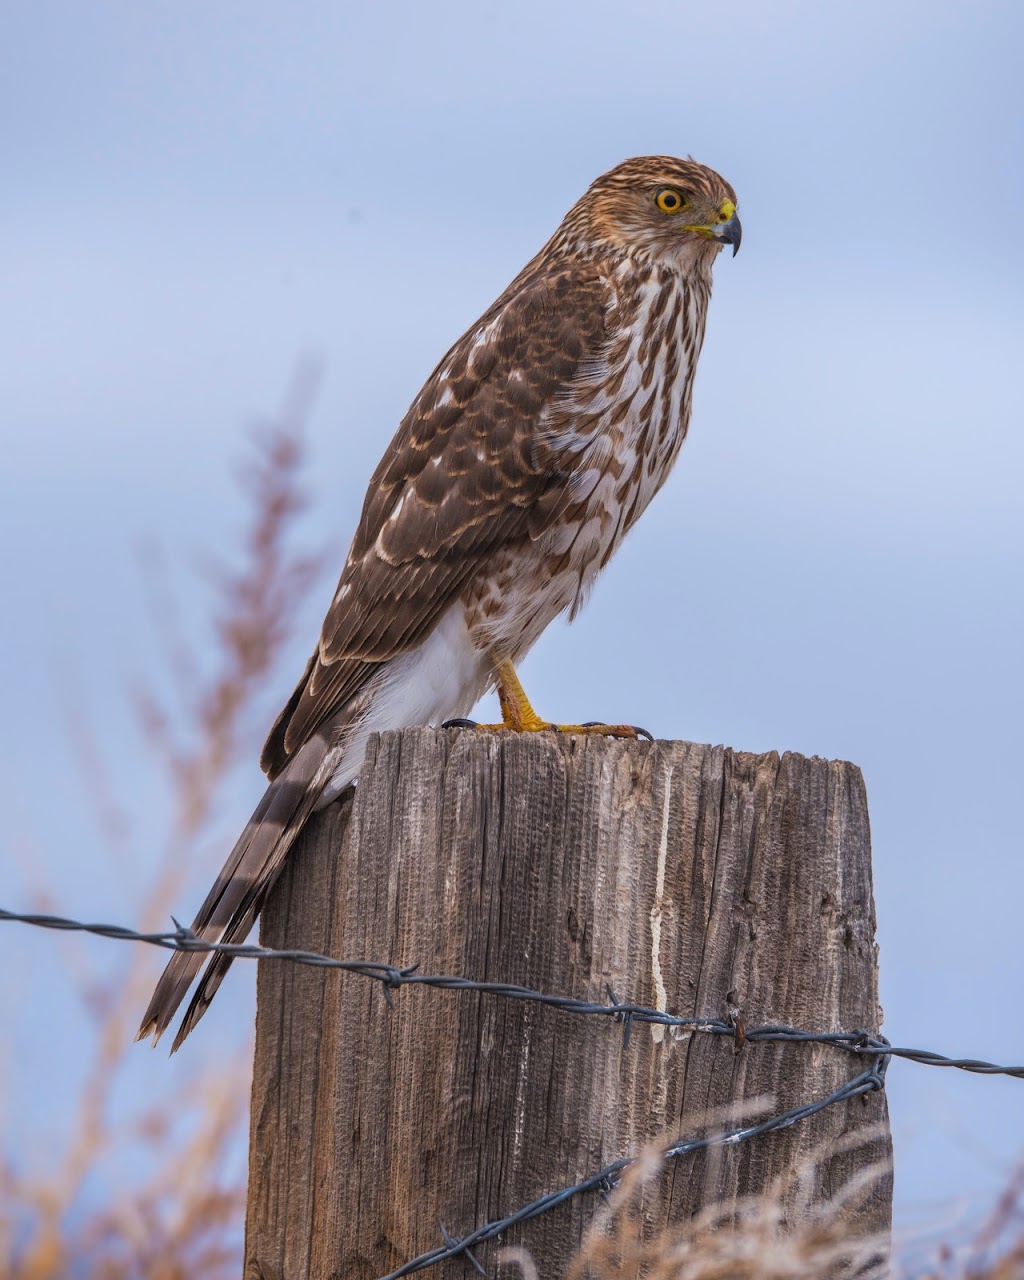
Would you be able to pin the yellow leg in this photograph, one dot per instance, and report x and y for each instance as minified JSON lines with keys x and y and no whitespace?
{"x":516,"y":712}
{"x":519,"y":716}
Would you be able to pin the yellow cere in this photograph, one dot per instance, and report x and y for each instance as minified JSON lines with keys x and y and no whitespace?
{"x":725,"y":211}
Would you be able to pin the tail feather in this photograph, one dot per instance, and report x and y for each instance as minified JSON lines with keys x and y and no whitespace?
{"x":219,"y":964}
{"x":238,"y":894}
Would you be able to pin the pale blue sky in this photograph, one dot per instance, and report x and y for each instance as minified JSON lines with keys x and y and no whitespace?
{"x":197,"y":194}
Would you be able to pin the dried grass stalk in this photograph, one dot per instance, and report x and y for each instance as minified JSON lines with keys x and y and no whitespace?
{"x":183,"y":1221}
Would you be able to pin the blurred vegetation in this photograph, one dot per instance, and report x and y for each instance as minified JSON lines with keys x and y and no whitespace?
{"x":186,"y":1219}
{"x":758,"y":1243}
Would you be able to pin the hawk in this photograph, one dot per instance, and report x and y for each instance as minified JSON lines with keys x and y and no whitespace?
{"x":530,"y":452}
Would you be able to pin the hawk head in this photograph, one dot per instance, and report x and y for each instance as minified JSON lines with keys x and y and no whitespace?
{"x":658,"y":207}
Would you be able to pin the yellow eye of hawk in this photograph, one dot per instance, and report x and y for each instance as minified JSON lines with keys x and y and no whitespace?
{"x":669,"y":200}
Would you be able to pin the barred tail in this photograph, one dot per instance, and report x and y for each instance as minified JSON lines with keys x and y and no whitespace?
{"x":238,"y":894}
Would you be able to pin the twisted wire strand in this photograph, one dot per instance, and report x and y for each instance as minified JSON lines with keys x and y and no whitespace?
{"x":392,"y":977}
{"x":605,"y":1179}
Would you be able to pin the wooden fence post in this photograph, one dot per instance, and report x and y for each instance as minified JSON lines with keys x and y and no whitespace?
{"x":693,"y":879}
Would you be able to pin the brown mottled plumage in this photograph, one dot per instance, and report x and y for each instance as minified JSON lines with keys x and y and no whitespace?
{"x":534,"y":445}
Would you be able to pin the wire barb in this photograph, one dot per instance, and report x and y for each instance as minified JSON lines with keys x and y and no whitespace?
{"x":621,"y":1014}
{"x":456,"y":1247}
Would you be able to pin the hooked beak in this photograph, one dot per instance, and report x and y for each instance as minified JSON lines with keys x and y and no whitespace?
{"x":725,"y":228}
{"x":729,"y":233}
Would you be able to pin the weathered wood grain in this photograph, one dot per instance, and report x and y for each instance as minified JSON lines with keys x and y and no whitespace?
{"x":687,"y":877}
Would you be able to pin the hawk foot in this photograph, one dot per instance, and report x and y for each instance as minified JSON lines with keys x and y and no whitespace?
{"x":631,"y":731}
{"x":518,"y":716}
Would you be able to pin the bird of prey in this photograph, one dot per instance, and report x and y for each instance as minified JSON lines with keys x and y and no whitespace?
{"x":530,"y":452}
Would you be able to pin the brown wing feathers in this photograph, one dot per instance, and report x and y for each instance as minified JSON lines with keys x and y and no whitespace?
{"x":460,"y":480}
{"x":463,"y":477}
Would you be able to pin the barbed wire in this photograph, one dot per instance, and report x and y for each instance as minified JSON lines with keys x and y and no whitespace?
{"x":392,"y":977}
{"x":604,"y":1180}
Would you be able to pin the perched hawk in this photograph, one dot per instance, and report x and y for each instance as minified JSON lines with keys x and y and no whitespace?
{"x":532,"y":449}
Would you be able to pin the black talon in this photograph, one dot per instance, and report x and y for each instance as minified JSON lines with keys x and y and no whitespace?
{"x":460,"y":722}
